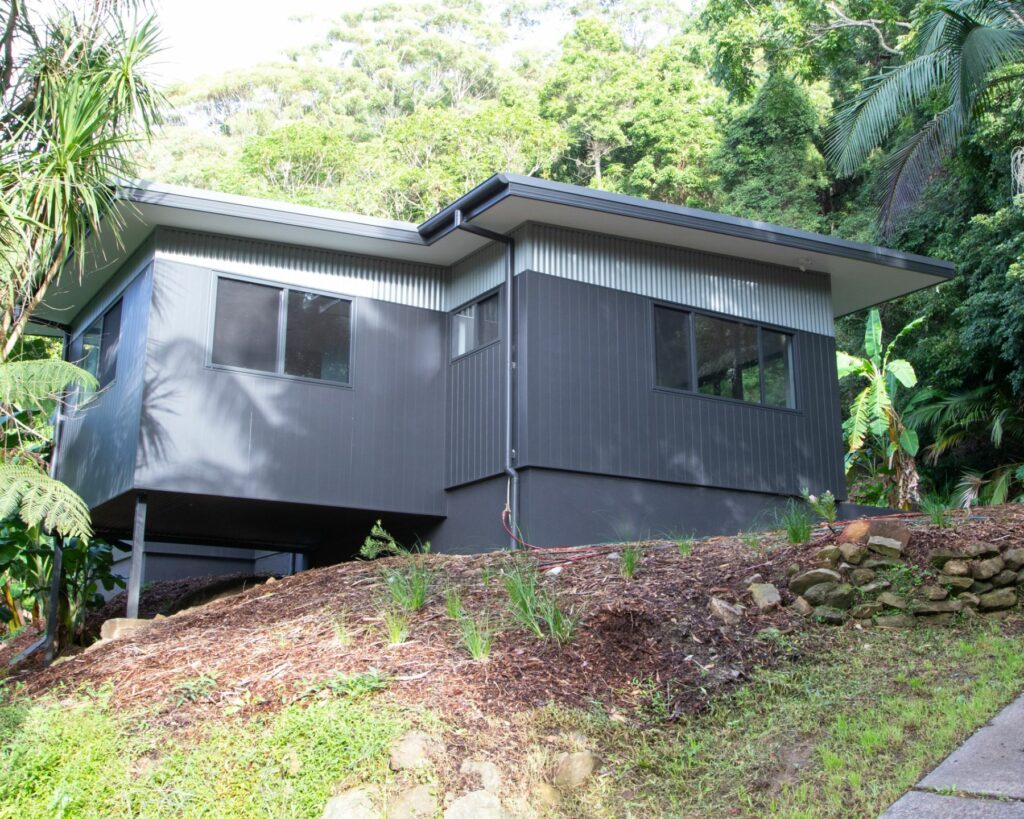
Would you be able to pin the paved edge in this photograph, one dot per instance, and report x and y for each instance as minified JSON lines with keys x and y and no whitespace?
{"x":927,"y":805}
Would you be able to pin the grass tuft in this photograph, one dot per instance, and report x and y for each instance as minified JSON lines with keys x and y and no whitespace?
{"x":630,"y":562}
{"x":534,"y":607}
{"x":477,"y":636}
{"x":797,"y":522}
{"x":409,"y":585}
{"x":936,"y":509}
{"x":396,"y":626}
{"x":453,"y":605}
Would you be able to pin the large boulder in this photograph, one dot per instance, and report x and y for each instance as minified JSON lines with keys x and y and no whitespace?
{"x":488,"y":773}
{"x":885,"y":546}
{"x":1003,"y":598}
{"x":957,"y":568}
{"x":853,"y":553}
{"x":417,"y":802}
{"x":892,"y":601}
{"x":987,"y":569}
{"x":765,"y":596}
{"x":572,"y":770}
{"x":955,"y":583}
{"x":725,"y":611}
{"x":818,"y":593}
{"x":803,"y":581}
{"x":1004,"y":578}
{"x":980,"y":548}
{"x":118,"y":628}
{"x":476,"y":805}
{"x":919,"y":607}
{"x":1014,"y":559}
{"x":841,"y":597}
{"x":861,"y":531}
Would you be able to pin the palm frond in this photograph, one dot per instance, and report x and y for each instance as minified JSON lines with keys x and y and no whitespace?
{"x":42,"y":501}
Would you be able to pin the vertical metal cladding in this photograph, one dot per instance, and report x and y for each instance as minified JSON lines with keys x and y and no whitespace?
{"x":738,"y":287}
{"x":98,"y":442}
{"x":374,"y":278}
{"x":592,"y":406}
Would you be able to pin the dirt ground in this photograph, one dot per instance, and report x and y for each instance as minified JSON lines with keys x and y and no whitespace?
{"x":265,"y":646}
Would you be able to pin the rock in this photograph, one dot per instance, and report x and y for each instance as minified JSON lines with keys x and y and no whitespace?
{"x":999,"y":599}
{"x":1004,"y":578}
{"x":935,"y":619}
{"x":981,"y":587}
{"x":980,"y":548}
{"x":765,"y":596}
{"x":987,"y":569}
{"x":354,"y":804}
{"x":792,"y":569}
{"x":933,"y":592}
{"x":853,"y":552}
{"x":969,"y":600}
{"x":1001,"y":614}
{"x":827,"y":556}
{"x":802,"y":582}
{"x":754,"y":578}
{"x":802,"y":607}
{"x":875,"y":586}
{"x":574,"y":769}
{"x":892,"y":529}
{"x":476,"y":805}
{"x":892,"y":601}
{"x":956,"y":568}
{"x":881,"y":563}
{"x":545,"y":795}
{"x":829,"y":615}
{"x":490,"y":776}
{"x":117,"y":628}
{"x":955,"y":583}
{"x":865,"y":611}
{"x":1014,"y":559}
{"x":816,"y":594}
{"x":919,"y":607}
{"x":726,"y":612}
{"x":414,"y":749}
{"x":857,"y":531}
{"x":98,"y":644}
{"x":417,"y":802}
{"x":841,"y":597}
{"x":885,"y":546}
{"x":861,"y":577}
{"x":940,"y":557}
{"x":894,"y":621}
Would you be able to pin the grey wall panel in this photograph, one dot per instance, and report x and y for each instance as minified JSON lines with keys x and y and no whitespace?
{"x":399,"y":282}
{"x":752,"y":290}
{"x":474,"y":519}
{"x":373,"y":446}
{"x":572,"y":509}
{"x":98,"y":442}
{"x":475,"y":431}
{"x":587,"y":388}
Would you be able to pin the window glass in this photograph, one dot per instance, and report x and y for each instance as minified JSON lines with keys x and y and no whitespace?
{"x":727,"y":360}
{"x":317,"y":337}
{"x":110,"y":339}
{"x":778,"y":368}
{"x":672,"y":348}
{"x":475,"y":325}
{"x":90,"y":361}
{"x":245,"y":327}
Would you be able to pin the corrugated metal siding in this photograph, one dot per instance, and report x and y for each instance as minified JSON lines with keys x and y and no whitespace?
{"x":588,"y":394}
{"x":476,"y":396}
{"x":475,"y":274}
{"x":223,"y":433}
{"x":98,"y":444}
{"x":399,"y":282}
{"x":752,"y":290}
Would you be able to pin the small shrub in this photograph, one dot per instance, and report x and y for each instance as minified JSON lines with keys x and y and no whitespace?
{"x":630,"y":562}
{"x":453,"y":606}
{"x":823,"y":505}
{"x":396,"y":626}
{"x":797,"y":522}
{"x":936,"y":509}
{"x":195,"y":689}
{"x":477,"y":636}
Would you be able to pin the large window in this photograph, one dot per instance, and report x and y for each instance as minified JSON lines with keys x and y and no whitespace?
{"x":721,"y":357}
{"x":281,"y":330}
{"x":99,"y":345}
{"x":475,"y":325}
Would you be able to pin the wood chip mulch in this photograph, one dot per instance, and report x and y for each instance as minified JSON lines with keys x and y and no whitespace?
{"x":267,"y":645}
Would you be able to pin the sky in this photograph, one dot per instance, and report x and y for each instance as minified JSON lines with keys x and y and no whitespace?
{"x":211,"y":36}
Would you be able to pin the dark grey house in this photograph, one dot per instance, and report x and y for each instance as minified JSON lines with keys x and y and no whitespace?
{"x":276,"y":377}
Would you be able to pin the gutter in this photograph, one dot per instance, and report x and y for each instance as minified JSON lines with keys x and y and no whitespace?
{"x":459,"y":221}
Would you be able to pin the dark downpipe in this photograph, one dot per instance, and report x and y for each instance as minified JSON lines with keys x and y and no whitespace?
{"x":459,"y":223}
{"x":56,"y":566}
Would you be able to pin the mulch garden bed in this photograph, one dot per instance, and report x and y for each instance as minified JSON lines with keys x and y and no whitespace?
{"x":268,"y":644}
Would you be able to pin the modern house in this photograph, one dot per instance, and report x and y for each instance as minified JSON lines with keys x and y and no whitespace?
{"x":568,"y":364}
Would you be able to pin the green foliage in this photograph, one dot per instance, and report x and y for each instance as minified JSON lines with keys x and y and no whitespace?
{"x":534,"y":607}
{"x":453,"y":606}
{"x":823,"y":505}
{"x":477,"y":636}
{"x":936,"y":509}
{"x":795,"y":519}
{"x":630,"y":561}
{"x":684,"y":545}
{"x":409,"y":586}
{"x":353,"y":686}
{"x":396,"y":625}
{"x":195,"y":689}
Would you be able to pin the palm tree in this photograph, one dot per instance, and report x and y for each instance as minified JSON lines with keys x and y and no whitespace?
{"x":961,"y":51}
{"x":874,"y":412}
{"x":76,"y":104}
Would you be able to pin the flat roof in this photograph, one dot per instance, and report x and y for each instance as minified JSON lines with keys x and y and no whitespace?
{"x":862,"y":275}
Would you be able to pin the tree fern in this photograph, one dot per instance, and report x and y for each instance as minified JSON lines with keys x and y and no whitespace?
{"x":42,"y":501}
{"x":30,"y":384}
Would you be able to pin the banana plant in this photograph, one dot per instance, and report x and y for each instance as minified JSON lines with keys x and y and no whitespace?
{"x":873,"y":412}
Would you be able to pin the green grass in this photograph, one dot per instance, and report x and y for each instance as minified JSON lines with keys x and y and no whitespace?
{"x":477,"y":636}
{"x":840,"y":736}
{"x":396,"y":626}
{"x":796,"y":520}
{"x":89,"y":760}
{"x":453,"y":606}
{"x":936,"y":509}
{"x":631,"y":557}
{"x":536,"y":608}
{"x":409,"y":584}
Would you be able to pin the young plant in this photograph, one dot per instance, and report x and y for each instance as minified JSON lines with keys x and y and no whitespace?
{"x":752,"y":540}
{"x":823,"y":505}
{"x":396,"y":626}
{"x":559,"y":624}
{"x":684,"y":545}
{"x":936,"y":509}
{"x":797,"y":522}
{"x":477,"y":636}
{"x":409,"y":585}
{"x":520,"y":581}
{"x":631,"y":557}
{"x":453,"y":606}
{"x":195,"y":689}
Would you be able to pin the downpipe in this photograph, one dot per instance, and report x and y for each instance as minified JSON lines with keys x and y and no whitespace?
{"x":512,"y":496}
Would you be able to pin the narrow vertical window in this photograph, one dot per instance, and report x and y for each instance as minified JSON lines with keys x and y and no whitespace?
{"x":672,"y":348}
{"x":475,"y":325}
{"x":777,"y":349}
{"x":100,"y":343}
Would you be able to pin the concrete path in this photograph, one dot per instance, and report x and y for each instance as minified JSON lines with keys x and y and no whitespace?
{"x":983,"y":778}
